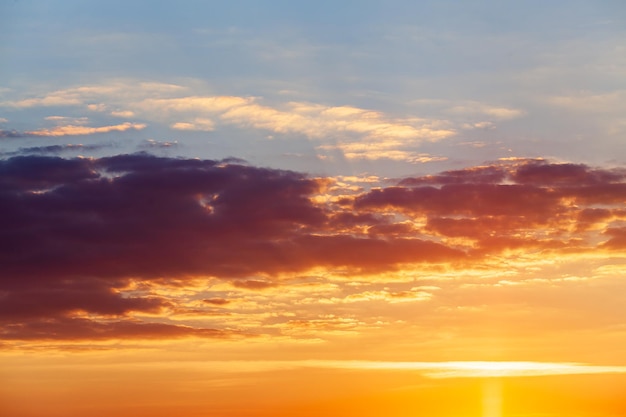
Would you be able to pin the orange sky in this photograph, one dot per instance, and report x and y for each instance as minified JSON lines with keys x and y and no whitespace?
{"x":160,"y":284}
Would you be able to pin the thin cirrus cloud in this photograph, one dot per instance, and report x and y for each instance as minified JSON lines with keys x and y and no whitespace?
{"x":93,"y":239}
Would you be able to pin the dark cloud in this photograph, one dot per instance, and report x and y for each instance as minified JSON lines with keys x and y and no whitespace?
{"x":85,"y":329}
{"x":466,"y":199}
{"x":494,"y":206}
{"x":541,"y":172}
{"x":68,"y":296}
{"x":149,"y":217}
{"x":589,"y":216}
{"x":482,"y":175}
{"x":25,"y":175}
{"x":54,"y":149}
{"x":369,"y":254}
{"x":75,"y":233}
{"x":617,"y":238}
{"x":395,"y":229}
{"x":155,"y":144}
{"x":217,"y":301}
{"x":11,"y":134}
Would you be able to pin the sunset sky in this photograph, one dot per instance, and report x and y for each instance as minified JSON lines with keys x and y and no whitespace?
{"x":313,"y":208}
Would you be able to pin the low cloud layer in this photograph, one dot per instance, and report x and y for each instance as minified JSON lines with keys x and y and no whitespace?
{"x":85,"y":242}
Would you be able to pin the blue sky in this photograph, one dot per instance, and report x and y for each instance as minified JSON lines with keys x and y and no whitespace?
{"x":360,"y":87}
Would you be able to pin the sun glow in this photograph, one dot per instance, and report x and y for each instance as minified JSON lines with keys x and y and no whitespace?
{"x":492,"y":398}
{"x":460,"y":369}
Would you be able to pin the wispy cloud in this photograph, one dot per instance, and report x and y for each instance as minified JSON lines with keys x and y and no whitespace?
{"x":472,"y":108}
{"x":494,"y":112}
{"x":75,"y":130}
{"x":311,"y":120}
{"x":123,"y":113}
{"x":64,"y":120}
{"x":91,"y":95}
{"x":54,"y":149}
{"x":592,"y":102}
{"x":206,"y":125}
{"x":477,"y":369}
{"x":11,"y":134}
{"x":357,"y":133}
{"x":451,"y":369}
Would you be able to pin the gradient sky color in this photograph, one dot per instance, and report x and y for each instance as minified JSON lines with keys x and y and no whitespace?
{"x":290,"y":208}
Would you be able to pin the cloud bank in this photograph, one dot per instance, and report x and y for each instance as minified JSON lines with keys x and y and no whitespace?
{"x":85,"y":242}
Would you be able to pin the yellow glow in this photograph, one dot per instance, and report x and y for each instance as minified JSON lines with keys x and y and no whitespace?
{"x":454,"y":369}
{"x":492,"y":398}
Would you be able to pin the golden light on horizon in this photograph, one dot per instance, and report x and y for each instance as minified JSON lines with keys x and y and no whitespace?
{"x":492,"y":398}
{"x":468,"y":369}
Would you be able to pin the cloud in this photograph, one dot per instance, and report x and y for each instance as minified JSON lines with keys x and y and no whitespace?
{"x":565,"y":174}
{"x":152,"y":144}
{"x":507,"y":205}
{"x":94,"y":296}
{"x":478,"y":125}
{"x":412,"y":295}
{"x":107,"y":223}
{"x":253,"y":284}
{"x":77,"y":329}
{"x":217,"y":301}
{"x":200,"y":124}
{"x":603,"y":108}
{"x":589,"y":102}
{"x":317,"y":121}
{"x":47,"y":101}
{"x":11,"y":134}
{"x":387,"y":149}
{"x":74,"y":130}
{"x":311,"y":120}
{"x":99,"y":238}
{"x":90,"y":96}
{"x":472,"y":109}
{"x":357,"y":132}
{"x":63,"y":120}
{"x":475,"y":108}
{"x":123,"y":113}
{"x":54,"y":149}
{"x":193,"y":104}
{"x":617,"y":239}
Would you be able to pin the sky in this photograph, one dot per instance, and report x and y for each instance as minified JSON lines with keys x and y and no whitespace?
{"x":298,"y":208}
